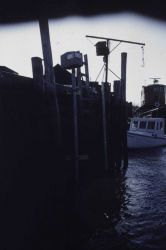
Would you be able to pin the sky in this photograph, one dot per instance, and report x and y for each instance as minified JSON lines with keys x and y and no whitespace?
{"x":18,"y":43}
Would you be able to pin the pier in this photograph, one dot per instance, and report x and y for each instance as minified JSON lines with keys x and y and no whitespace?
{"x":63,"y":143}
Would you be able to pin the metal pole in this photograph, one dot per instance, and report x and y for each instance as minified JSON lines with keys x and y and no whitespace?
{"x":106,"y":64}
{"x":104,"y":125}
{"x":75,"y":121}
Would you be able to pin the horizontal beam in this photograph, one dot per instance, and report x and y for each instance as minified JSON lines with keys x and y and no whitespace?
{"x":116,"y":40}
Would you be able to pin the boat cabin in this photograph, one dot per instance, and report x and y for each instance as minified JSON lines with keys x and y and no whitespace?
{"x":148,"y":125}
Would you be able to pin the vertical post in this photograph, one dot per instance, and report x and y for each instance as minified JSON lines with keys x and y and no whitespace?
{"x":57,"y":225}
{"x":79,"y":77}
{"x":118,"y":126}
{"x":117,"y":91}
{"x":79,"y":84}
{"x":123,"y":86}
{"x":123,"y":75}
{"x":47,"y":54}
{"x":104,"y":125}
{"x":86,"y":70}
{"x":49,"y":80}
{"x":75,"y":121}
{"x":104,"y":108}
{"x":37,"y":71}
{"x":106,"y":63}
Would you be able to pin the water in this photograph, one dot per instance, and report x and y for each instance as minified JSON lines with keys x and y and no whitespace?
{"x":141,"y":224}
{"x":143,"y":214}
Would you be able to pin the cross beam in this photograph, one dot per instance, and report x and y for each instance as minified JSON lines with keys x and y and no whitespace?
{"x":116,"y":40}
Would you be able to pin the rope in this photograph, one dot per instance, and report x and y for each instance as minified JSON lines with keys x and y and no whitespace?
{"x":90,"y":41}
{"x":99,"y":73}
{"x":114,"y":74}
{"x":115,"y":47}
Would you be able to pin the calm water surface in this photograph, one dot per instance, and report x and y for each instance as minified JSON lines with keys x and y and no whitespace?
{"x":143,"y":214}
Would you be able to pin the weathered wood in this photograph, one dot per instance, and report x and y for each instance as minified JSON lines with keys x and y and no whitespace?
{"x":47,"y":54}
{"x":123,"y":75}
{"x":37,"y":71}
{"x":49,"y":78}
{"x":75,"y":121}
{"x":117,"y":90}
{"x":124,"y":114}
{"x":79,"y":79}
{"x":86,"y":70}
{"x":104,"y":122}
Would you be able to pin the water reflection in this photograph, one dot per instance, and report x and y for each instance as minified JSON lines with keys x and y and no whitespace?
{"x":136,"y":219}
{"x":147,"y":153}
{"x":143,"y":221}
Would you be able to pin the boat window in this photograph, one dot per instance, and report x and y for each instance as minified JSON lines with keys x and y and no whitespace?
{"x":142,"y":125}
{"x":157,"y":126}
{"x":151,"y":125}
{"x":134,"y":124}
{"x":161,"y":125}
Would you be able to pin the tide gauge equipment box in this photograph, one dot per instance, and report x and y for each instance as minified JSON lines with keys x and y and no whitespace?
{"x":71,"y":60}
{"x":102,"y":49}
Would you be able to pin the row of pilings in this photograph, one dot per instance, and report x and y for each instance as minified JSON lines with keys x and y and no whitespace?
{"x":45,"y":203}
{"x":90,"y":188}
{"x":92,"y":152}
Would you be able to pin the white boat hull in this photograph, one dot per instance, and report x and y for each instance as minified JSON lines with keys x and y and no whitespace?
{"x":138,"y":140}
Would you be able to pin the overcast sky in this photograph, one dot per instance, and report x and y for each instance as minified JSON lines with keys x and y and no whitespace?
{"x":18,"y":43}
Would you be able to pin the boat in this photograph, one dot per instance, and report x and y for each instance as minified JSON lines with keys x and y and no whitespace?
{"x":146,"y":132}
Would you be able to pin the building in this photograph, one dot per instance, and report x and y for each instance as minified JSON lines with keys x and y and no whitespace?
{"x":153,"y":95}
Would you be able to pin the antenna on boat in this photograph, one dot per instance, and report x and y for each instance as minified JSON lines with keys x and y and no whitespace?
{"x":155,"y":79}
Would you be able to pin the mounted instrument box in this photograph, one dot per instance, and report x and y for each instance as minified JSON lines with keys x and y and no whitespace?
{"x":102,"y":49}
{"x":71,"y":60}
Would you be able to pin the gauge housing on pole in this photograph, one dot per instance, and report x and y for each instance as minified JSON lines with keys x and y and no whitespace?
{"x":71,"y":60}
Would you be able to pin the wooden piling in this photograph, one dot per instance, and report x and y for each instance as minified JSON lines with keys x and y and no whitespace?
{"x":49,"y":77}
{"x":86,"y":70}
{"x":47,"y":53}
{"x":124,"y":114}
{"x":75,"y":121}
{"x":37,"y":71}
{"x":104,"y":122}
{"x":117,"y":91}
{"x":117,"y":126}
{"x":123,"y":75}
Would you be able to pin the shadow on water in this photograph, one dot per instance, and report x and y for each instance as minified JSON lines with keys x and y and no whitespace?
{"x":149,"y":152}
{"x":105,"y":200}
